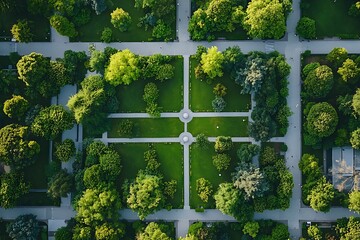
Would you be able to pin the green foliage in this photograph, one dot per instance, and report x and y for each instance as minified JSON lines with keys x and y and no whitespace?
{"x":345,"y":104}
{"x":321,"y":195}
{"x":354,"y":201}
{"x":348,"y":228}
{"x":63,"y":233}
{"x":151,"y":92}
{"x":221,"y":161}
{"x":110,"y":231}
{"x":219,"y":90}
{"x":218,"y":104}
{"x":63,"y":26}
{"x":162,"y":31}
{"x":354,"y":10}
{"x":74,"y":63}
{"x":280,"y":232}
{"x":97,"y":61}
{"x":204,"y":189}
{"x":126,"y":127}
{"x":60,"y":184}
{"x":170,"y":188}
{"x":355,"y":139}
{"x":16,"y":107}
{"x":58,"y":74}
{"x":153,"y":231}
{"x":146,"y":195}
{"x":223,"y":144}
{"x":24,"y":227}
{"x":65,"y":150}
{"x":151,"y":159}
{"x":21,"y":31}
{"x":356,"y":102}
{"x":15,"y":149}
{"x":309,"y":68}
{"x":265,"y":19}
{"x":321,"y":120}
{"x":121,"y":19}
{"x":95,"y":178}
{"x":52,"y":121}
{"x":202,"y":141}
{"x":96,"y":206}
{"x":306,"y":28}
{"x":309,"y":165}
{"x":349,"y":70}
{"x":251,"y":228}
{"x":12,"y":188}
{"x":211,"y":62}
{"x":342,"y":137}
{"x":110,"y":163}
{"x":319,"y":82}
{"x":246,"y":152}
{"x":81,"y":232}
{"x":123,"y":68}
{"x":106,"y":35}
{"x":337,"y":56}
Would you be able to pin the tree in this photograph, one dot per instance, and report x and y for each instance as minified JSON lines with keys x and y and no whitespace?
{"x":321,"y":195}
{"x":15,"y":149}
{"x":33,"y":70}
{"x":123,"y":68}
{"x":309,"y":165}
{"x":151,"y":92}
{"x":355,"y":139}
{"x":319,"y":82}
{"x":251,"y":77}
{"x":52,"y":121}
{"x":199,"y":26}
{"x":95,"y":178}
{"x":111,"y":164}
{"x":58,"y":74}
{"x":306,"y":28}
{"x":250,"y":180}
{"x":145,"y":195}
{"x":219,"y":90}
{"x":348,"y":228}
{"x":152,"y":231}
{"x":211,"y":62}
{"x":337,"y":56}
{"x":356,"y":102}
{"x":309,"y":68}
{"x":246,"y":152}
{"x":170,"y":188}
{"x":229,"y":201}
{"x":354,"y":201}
{"x":251,"y":228}
{"x":60,"y":184}
{"x":223,"y":144}
{"x":63,"y":233}
{"x":280,"y":232}
{"x":63,"y":26}
{"x":16,"y":107}
{"x":65,"y":151}
{"x":96,"y":206}
{"x":202,"y":141}
{"x":151,"y":159}
{"x":162,"y":30}
{"x":321,"y":120}
{"x":97,"y":61}
{"x":106,"y":35}
{"x":349,"y":70}
{"x":126,"y":127}
{"x":110,"y":231}
{"x":74,"y":63}
{"x":12,"y":188}
{"x":21,"y":31}
{"x":265,"y":19}
{"x":218,"y":104}
{"x":220,"y":15}
{"x":82,"y":232}
{"x":121,"y":19}
{"x":24,"y":227}
{"x":203,"y":189}
{"x":221,"y":161}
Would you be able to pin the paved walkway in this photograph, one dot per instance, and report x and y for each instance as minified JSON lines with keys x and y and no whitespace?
{"x":290,"y":46}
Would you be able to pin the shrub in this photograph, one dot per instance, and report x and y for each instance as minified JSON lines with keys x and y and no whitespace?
{"x":203,"y":189}
{"x":221,"y":161}
{"x":121,"y":19}
{"x":16,"y":107}
{"x":63,"y":26}
{"x":106,"y":35}
{"x":306,"y":28}
{"x":21,"y":31}
{"x":65,"y":150}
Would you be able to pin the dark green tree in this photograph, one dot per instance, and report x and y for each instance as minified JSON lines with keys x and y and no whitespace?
{"x":21,"y":31}
{"x":24,"y":227}
{"x":306,"y":28}
{"x":60,"y":184}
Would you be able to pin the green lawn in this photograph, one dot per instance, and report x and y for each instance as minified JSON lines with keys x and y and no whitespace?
{"x":5,"y":62}
{"x":170,"y":95}
{"x":91,"y":32}
{"x":39,"y":25}
{"x":170,"y":156}
{"x":38,"y":199}
{"x":331,"y":17}
{"x":201,"y":166}
{"x":149,"y":127}
{"x":219,"y":126}
{"x":36,"y":173}
{"x":201,"y":93}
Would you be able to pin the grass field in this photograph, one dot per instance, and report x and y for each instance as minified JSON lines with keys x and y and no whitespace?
{"x":149,"y":127}
{"x":201,"y":166}
{"x":170,"y":156}
{"x":170,"y":92}
{"x":219,"y":126}
{"x":331,"y":17}
{"x":39,"y":25}
{"x":91,"y":32}
{"x":201,"y":94}
{"x":38,"y":199}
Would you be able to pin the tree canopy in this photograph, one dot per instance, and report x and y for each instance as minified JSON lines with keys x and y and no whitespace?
{"x":321,"y":120}
{"x":121,"y":19}
{"x":306,"y":28}
{"x":211,"y":62}
{"x":319,"y":82}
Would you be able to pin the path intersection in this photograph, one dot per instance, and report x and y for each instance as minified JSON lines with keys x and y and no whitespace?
{"x":290,"y":46}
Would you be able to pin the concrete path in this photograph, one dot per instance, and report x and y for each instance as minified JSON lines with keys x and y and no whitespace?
{"x":290,"y":46}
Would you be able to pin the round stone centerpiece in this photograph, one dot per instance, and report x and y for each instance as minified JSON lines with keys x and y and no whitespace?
{"x":185,"y":139}
{"x":185,"y":115}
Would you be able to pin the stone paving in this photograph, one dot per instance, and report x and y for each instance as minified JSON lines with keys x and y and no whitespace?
{"x":290,"y":46}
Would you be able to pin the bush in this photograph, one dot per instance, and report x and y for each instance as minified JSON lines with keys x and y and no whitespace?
{"x":321,"y":120}
{"x":223,"y":144}
{"x":306,"y":28}
{"x":126,"y":127}
{"x":63,"y":26}
{"x":21,"y":31}
{"x":65,"y":150}
{"x":218,"y":104}
{"x":60,"y":184}
{"x":24,"y":227}
{"x":16,"y":107}
{"x":63,"y":233}
{"x":221,"y":161}
{"x":106,"y":35}
{"x":121,"y":19}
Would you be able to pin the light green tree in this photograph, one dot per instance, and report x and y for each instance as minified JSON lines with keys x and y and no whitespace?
{"x":121,"y":19}
{"x":123,"y":68}
{"x":349,"y":70}
{"x":354,"y":201}
{"x":152,"y":231}
{"x":251,"y":228}
{"x":203,"y":189}
{"x":211,"y":62}
{"x":21,"y":31}
{"x":321,"y":196}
